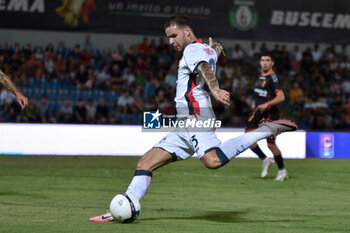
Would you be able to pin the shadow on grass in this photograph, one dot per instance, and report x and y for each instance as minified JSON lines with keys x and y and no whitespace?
{"x":218,"y":216}
{"x":22,"y":195}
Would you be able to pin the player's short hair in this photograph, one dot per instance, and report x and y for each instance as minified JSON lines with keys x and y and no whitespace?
{"x":179,"y":20}
{"x":267,"y":54}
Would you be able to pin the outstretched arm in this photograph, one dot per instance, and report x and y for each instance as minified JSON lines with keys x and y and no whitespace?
{"x":9,"y":85}
{"x":210,"y":78}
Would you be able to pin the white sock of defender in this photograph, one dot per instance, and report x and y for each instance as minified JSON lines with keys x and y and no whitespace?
{"x":140,"y":183}
{"x":234,"y":146}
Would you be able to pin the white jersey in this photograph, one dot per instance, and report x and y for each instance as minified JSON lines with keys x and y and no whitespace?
{"x":192,"y":92}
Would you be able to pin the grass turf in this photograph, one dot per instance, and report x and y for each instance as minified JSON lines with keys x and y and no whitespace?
{"x":60,"y":194}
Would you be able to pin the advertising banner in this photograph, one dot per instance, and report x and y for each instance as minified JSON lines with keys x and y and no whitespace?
{"x":327,"y":145}
{"x":268,"y":20}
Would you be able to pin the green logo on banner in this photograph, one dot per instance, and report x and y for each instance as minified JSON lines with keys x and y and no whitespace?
{"x":243,"y":16}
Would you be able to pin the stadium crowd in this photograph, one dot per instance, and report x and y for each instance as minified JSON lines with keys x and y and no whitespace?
{"x":104,"y":86}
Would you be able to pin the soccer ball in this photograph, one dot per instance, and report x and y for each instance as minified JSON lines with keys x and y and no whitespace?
{"x":125,"y":208}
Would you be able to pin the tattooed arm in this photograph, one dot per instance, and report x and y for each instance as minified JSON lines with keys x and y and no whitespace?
{"x":210,"y":78}
{"x":9,"y":85}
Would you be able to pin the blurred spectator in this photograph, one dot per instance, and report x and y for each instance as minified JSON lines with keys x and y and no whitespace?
{"x":39,"y":53}
{"x":253,"y":50}
{"x":45,"y":114}
{"x":316,"y":53}
{"x":170,"y":78}
{"x":138,"y":102}
{"x":117,"y":56}
{"x":295,"y":64}
{"x":83,"y":79}
{"x":91,"y":111}
{"x":130,"y":57}
{"x":296,"y":94}
{"x":143,"y":47}
{"x":125,"y":101}
{"x":345,"y":86}
{"x":15,"y":63}
{"x":237,"y":53}
{"x":50,"y":50}
{"x":5,"y":51}
{"x":162,"y":46}
{"x":150,"y":90}
{"x":276,"y":52}
{"x":102,"y":113}
{"x":48,"y":65}
{"x":297,"y":53}
{"x":117,"y":79}
{"x":129,"y":77}
{"x":76,"y":54}
{"x":103,"y":79}
{"x":85,"y":56}
{"x":263,"y":48}
{"x":32,"y":65}
{"x":65,"y":112}
{"x":87,"y":44}
{"x":60,"y":67}
{"x":80,"y":113}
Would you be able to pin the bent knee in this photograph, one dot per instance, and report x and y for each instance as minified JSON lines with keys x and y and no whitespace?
{"x":213,"y":165}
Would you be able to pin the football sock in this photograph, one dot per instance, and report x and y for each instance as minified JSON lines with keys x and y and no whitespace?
{"x":140,"y":183}
{"x":259,"y":153}
{"x":234,"y":146}
{"x":279,"y":161}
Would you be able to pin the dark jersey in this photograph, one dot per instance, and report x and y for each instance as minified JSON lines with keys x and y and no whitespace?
{"x":265,"y":90}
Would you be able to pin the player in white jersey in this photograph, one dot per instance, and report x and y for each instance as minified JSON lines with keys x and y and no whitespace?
{"x":196,"y":71}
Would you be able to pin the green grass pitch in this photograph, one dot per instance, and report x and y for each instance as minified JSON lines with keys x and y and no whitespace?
{"x":60,"y":194}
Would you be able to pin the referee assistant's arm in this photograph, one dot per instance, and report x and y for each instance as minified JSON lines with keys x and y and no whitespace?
{"x":278,"y":99}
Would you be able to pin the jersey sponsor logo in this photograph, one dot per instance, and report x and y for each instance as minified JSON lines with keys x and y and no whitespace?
{"x":262,"y":93}
{"x":243,"y":16}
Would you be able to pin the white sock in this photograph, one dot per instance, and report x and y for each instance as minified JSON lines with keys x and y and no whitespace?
{"x":266,"y":160}
{"x":140,"y":183}
{"x":234,"y":146}
{"x":283,"y":170}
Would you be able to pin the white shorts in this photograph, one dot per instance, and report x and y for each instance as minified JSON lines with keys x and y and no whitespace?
{"x":183,"y":144}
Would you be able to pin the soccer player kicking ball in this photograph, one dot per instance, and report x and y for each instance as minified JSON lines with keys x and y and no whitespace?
{"x":196,"y":70}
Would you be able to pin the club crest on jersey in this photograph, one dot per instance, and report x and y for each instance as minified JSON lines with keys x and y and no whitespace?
{"x":263,"y":83}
